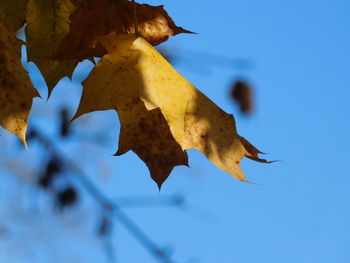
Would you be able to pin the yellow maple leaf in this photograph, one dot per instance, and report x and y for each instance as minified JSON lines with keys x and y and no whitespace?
{"x":135,"y":80}
{"x":47,"y":25}
{"x":16,"y":89}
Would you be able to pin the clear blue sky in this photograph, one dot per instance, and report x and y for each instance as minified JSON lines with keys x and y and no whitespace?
{"x":300,"y":209}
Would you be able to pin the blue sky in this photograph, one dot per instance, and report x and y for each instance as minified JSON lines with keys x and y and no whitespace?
{"x":298,"y":211}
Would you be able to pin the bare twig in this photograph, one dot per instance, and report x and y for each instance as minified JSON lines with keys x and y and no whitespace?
{"x":105,"y":202}
{"x":173,"y":200}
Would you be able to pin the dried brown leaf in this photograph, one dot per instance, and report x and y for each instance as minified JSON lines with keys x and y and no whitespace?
{"x":15,"y":12}
{"x":16,"y":89}
{"x":95,"y":18}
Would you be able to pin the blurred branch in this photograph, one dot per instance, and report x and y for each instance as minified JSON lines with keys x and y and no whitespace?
{"x":174,"y":200}
{"x":20,"y":171}
{"x":107,"y":204}
{"x":209,"y":58}
{"x":94,"y":138}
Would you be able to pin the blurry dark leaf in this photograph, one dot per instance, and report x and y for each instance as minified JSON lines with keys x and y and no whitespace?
{"x":241,"y":93}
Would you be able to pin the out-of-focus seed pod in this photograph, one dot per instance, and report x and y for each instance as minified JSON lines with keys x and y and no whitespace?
{"x":52,"y":168}
{"x":242,"y":94}
{"x":67,"y":197}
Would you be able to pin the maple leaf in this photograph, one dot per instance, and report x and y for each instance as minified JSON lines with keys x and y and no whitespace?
{"x":16,"y":89}
{"x":95,"y":18}
{"x":47,"y":25}
{"x":14,"y":12}
{"x":161,"y":113}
